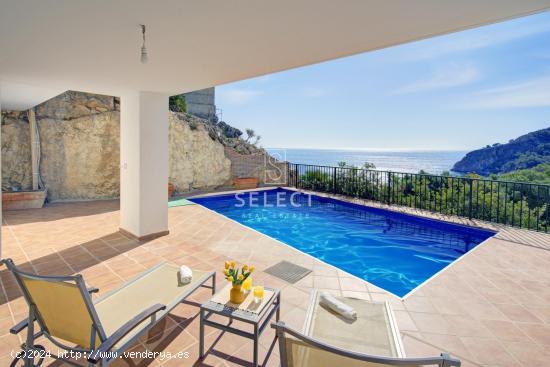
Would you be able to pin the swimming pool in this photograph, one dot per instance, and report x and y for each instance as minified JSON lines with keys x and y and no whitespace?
{"x":394,"y":251}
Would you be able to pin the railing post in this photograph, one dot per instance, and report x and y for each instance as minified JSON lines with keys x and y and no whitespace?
{"x":287,"y":173}
{"x":389,"y":188}
{"x":470,"y":198}
{"x":334,"y":180}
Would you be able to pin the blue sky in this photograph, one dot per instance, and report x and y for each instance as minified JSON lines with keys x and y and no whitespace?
{"x":455,"y":92}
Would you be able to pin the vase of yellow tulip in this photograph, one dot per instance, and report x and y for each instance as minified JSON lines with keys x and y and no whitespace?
{"x":236,"y":276}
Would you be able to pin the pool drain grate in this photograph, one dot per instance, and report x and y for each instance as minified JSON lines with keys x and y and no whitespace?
{"x":288,"y":271}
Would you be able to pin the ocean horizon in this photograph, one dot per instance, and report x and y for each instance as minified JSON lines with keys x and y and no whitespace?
{"x":411,"y":161}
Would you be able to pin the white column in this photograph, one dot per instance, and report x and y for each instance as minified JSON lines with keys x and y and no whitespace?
{"x":144,"y":164}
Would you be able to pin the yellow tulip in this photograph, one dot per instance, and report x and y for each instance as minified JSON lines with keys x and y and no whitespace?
{"x":232,"y":264}
{"x":252,"y":269}
{"x":227,"y":264}
{"x":247,"y":284}
{"x":230,"y":279}
{"x":226,"y":272}
{"x":241,"y":277}
{"x":245,"y":267}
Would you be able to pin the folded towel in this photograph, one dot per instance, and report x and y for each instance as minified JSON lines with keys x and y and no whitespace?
{"x":185,"y":274}
{"x":328,"y":300}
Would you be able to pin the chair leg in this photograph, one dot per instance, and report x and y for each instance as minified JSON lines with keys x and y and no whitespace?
{"x":29,"y":344}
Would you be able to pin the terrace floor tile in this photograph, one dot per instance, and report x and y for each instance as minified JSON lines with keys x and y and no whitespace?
{"x":492,"y":308}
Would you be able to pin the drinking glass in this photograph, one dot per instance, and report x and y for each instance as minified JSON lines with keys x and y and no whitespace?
{"x":258,"y":293}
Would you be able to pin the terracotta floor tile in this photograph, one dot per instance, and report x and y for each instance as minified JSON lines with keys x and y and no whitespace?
{"x":419,"y":304}
{"x":405,"y":321}
{"x":487,"y":351}
{"x":506,"y":330}
{"x":431,"y":323}
{"x":448,"y":343}
{"x":484,"y":306}
{"x":517,"y":313}
{"x":528,"y":354}
{"x":326,"y":282}
{"x":539,"y":333}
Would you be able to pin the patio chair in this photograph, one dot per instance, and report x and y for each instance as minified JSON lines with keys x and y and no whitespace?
{"x":101,"y":329}
{"x":330,"y":340}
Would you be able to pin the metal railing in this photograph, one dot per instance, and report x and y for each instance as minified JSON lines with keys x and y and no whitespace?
{"x":518,"y":204}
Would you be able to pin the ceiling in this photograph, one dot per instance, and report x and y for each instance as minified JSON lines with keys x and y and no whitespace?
{"x":49,"y":46}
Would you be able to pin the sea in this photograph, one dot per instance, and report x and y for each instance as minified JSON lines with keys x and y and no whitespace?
{"x":434,"y":162}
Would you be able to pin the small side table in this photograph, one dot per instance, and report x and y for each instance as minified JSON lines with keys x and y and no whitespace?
{"x":258,"y":320}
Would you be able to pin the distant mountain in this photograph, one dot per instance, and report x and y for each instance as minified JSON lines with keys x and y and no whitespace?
{"x":524,"y":152}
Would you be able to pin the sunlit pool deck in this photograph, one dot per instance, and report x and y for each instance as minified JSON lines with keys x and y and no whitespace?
{"x":492,"y":307}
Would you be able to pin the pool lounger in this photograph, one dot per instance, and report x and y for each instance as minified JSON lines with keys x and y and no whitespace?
{"x":105,"y":327}
{"x":328,"y":339}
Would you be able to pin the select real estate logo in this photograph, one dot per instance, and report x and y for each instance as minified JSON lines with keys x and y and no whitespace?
{"x":275,"y":171}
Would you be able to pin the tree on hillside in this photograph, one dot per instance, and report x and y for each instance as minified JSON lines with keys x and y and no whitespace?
{"x":177,"y":103}
{"x":249,"y":134}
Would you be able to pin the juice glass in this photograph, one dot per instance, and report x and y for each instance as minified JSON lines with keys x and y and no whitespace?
{"x":258,"y":293}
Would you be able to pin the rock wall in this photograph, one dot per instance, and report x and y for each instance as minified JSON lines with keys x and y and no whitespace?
{"x":80,"y":140}
{"x":16,"y":152}
{"x":197,"y":161}
{"x":80,"y":157}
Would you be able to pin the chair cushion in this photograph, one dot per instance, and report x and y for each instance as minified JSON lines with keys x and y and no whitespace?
{"x":159,"y":285}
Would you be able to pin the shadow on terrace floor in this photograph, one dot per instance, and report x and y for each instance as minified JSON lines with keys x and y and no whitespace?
{"x":60,"y":210}
{"x":72,"y":260}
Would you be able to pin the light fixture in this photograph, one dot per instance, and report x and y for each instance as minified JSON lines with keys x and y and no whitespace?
{"x":144,"y":58}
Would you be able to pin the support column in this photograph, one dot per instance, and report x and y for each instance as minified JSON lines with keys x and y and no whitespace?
{"x":144,"y":164}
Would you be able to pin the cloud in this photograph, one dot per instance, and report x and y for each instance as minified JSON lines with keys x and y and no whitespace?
{"x":525,"y":94}
{"x":450,"y":76}
{"x":238,"y":96}
{"x":313,"y":92}
{"x":476,"y":39}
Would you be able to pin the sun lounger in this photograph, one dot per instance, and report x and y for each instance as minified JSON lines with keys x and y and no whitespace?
{"x":103,"y":328}
{"x":328,"y":339}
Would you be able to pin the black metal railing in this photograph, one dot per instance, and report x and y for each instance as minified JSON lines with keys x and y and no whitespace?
{"x":518,"y":204}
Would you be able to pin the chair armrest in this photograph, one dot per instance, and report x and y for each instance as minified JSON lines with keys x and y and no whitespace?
{"x":21,"y":325}
{"x":109,"y":343}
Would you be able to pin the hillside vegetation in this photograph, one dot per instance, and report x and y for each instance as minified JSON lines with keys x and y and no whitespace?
{"x":539,"y":174}
{"x":525,"y":152}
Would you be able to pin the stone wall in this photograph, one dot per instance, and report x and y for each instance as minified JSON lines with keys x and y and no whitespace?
{"x":16,"y":152}
{"x":80,"y":140}
{"x":80,"y":157}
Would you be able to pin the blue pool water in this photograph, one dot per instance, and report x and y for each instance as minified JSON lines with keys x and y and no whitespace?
{"x":394,"y":251}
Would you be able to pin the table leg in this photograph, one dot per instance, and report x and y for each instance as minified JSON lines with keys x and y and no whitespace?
{"x":256,"y":337}
{"x":214,"y":284}
{"x":201,"y":335}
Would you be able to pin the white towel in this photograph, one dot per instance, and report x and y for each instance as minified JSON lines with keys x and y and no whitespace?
{"x":328,"y":300}
{"x":186,"y":274}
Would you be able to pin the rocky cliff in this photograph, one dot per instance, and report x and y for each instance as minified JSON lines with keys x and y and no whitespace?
{"x":524,"y":152}
{"x":79,"y":136}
